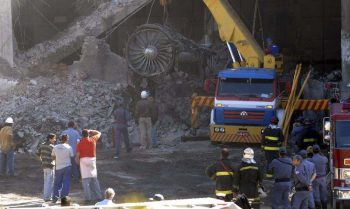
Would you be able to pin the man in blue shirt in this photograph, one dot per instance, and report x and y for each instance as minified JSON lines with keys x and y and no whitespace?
{"x":311,"y":172}
{"x":74,"y":138}
{"x":320,"y":185}
{"x":302,"y":184}
{"x":282,"y":170}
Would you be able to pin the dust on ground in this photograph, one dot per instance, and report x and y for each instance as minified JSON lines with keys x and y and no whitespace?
{"x":176,"y":170}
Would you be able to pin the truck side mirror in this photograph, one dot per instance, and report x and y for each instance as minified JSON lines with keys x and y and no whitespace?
{"x":209,"y":85}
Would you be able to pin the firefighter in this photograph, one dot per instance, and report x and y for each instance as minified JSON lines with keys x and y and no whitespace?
{"x":309,"y":136}
{"x":248,"y":178}
{"x":272,"y":138}
{"x":222,"y":172}
{"x":311,"y":172}
{"x":301,"y":183}
{"x":282,"y":170}
{"x":320,"y":185}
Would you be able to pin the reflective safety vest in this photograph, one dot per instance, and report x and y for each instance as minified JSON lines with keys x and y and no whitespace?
{"x":272,"y":139}
{"x":247,"y":179}
{"x":222,"y":172}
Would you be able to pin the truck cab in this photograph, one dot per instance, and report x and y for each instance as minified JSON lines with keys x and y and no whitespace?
{"x":245,"y":100}
{"x":338,"y":137}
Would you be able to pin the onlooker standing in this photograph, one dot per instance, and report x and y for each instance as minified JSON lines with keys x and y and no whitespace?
{"x":48,"y":164}
{"x":86,"y":156}
{"x":7,"y":148}
{"x":109,"y":195}
{"x":143,"y":115}
{"x":120,"y":129}
{"x":62,"y":153}
{"x":74,"y":137}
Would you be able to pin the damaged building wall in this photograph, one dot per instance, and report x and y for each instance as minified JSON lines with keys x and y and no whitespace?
{"x":6,"y":32}
{"x":345,"y":47}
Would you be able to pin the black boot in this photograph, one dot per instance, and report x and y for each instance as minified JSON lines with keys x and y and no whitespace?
{"x":324,"y":205}
{"x":317,"y":205}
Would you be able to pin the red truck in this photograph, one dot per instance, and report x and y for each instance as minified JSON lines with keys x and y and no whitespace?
{"x":337,"y":135}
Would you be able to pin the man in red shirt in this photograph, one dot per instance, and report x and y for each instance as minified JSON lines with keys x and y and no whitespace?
{"x":86,"y":157}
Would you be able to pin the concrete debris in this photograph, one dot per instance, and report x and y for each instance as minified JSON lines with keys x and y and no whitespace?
{"x":98,"y":61}
{"x":45,"y":104}
{"x":70,"y":40}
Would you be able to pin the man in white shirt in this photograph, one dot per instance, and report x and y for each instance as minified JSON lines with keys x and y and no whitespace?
{"x":62,"y":153}
{"x":109,"y":195}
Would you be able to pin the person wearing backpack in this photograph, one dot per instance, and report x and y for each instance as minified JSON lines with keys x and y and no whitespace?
{"x":222,"y":173}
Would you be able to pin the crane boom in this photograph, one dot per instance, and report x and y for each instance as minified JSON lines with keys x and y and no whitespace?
{"x":233,"y":30}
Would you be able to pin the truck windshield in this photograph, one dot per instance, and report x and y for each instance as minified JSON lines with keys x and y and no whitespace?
{"x":246,"y":87}
{"x":342,"y":133}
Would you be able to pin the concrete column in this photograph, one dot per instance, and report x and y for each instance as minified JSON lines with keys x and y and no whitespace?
{"x":345,"y":46}
{"x":6,"y":31}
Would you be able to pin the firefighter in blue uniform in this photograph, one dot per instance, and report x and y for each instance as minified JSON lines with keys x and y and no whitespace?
{"x":272,"y":139}
{"x":309,"y":136}
{"x":320,"y":185}
{"x":222,"y":172}
{"x":311,"y":171}
{"x":248,"y":178}
{"x":301,"y":183}
{"x":282,"y":169}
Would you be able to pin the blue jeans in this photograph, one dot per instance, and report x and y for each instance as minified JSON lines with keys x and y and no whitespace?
{"x":49,"y":175}
{"x":121,"y":134}
{"x":75,"y":170}
{"x":61,"y":183}
{"x":92,"y":190}
{"x":7,"y":163}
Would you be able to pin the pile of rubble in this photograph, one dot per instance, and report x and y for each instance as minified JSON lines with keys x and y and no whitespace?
{"x":46,"y":104}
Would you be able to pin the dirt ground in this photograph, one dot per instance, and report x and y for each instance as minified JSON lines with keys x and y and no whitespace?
{"x":175,"y":169}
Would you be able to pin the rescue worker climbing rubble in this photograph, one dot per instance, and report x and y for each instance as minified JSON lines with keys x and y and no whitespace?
{"x":248,"y":178}
{"x":282,"y":170}
{"x":272,"y":139}
{"x":222,"y":172}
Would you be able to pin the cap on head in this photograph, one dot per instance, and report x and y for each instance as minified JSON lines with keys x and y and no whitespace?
{"x":316,"y":148}
{"x":144,"y":94}
{"x":9,"y":120}
{"x":282,"y":150}
{"x":274,"y":120}
{"x":303,"y":153}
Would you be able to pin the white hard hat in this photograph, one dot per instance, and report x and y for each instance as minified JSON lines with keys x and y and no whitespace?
{"x":248,"y":155}
{"x":9,"y":120}
{"x":144,"y":94}
{"x":157,"y":197}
